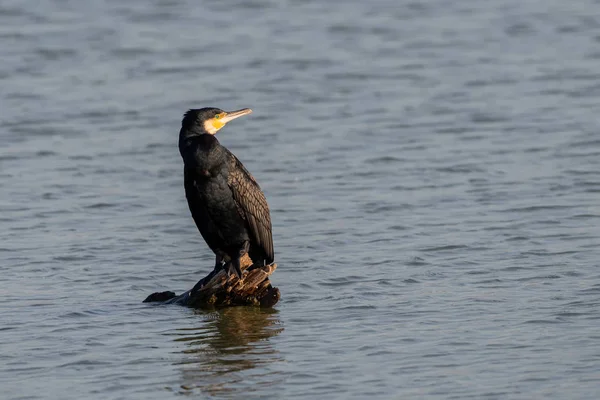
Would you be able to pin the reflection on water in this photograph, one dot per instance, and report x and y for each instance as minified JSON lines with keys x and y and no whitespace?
{"x":230,"y":351}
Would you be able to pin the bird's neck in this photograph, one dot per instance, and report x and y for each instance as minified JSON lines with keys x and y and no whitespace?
{"x":199,"y":149}
{"x":203,"y":140}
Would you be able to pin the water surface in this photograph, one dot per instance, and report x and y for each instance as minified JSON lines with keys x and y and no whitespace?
{"x":432,"y":169}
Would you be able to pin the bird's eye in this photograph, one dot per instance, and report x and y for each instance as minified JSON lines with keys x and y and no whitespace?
{"x":217,"y":116}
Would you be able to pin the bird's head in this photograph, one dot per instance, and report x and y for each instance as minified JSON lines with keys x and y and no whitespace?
{"x":209,"y":119}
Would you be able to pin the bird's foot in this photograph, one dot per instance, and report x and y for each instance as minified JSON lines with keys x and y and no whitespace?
{"x":219,"y":267}
{"x":233,"y":267}
{"x":219,"y":263}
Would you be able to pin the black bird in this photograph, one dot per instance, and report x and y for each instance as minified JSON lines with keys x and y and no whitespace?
{"x":228,"y":206}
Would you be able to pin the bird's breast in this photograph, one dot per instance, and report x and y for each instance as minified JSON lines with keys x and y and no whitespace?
{"x":204,"y":173}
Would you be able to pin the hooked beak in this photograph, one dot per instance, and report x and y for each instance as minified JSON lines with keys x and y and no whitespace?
{"x":231,"y":115}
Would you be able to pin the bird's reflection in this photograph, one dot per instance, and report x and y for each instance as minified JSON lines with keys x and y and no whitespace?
{"x":230,"y":352}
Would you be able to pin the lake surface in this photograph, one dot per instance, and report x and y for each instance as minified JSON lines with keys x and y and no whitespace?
{"x":433,"y":172}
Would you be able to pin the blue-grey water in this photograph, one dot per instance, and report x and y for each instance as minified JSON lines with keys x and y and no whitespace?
{"x":433,"y":172}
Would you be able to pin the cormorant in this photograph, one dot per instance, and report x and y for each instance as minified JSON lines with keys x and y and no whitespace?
{"x":228,"y":206}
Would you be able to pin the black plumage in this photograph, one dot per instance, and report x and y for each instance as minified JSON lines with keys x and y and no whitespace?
{"x":226,"y":202}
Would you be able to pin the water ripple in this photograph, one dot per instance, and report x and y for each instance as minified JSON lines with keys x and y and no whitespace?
{"x":432,"y":172}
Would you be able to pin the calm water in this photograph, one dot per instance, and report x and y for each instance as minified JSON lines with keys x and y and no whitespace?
{"x":433,"y":170}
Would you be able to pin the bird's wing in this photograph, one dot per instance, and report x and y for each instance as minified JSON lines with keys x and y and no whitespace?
{"x":252,"y":206}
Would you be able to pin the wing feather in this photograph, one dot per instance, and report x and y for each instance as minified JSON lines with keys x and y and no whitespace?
{"x":252,"y":205}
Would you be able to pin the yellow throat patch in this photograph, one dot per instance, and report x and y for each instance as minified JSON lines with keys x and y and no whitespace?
{"x":213,"y":125}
